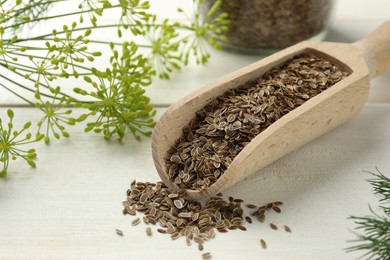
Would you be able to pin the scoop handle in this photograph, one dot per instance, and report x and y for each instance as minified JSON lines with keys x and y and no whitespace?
{"x":376,"y":50}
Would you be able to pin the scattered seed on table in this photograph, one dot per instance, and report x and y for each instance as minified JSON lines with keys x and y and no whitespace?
{"x":276,"y":209}
{"x":162,"y":231}
{"x":273,"y":226}
{"x":135,"y":221}
{"x":263,"y":244}
{"x":148,"y":231}
{"x":179,"y":216}
{"x":251,"y":206}
{"x":206,"y":255}
{"x":287,"y":228}
{"x":119,"y":232}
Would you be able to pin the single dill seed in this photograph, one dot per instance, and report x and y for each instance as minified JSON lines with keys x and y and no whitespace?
{"x":162,"y":231}
{"x":273,"y":226}
{"x":287,"y":228}
{"x":251,"y":206}
{"x":263,"y":244}
{"x":200,"y":247}
{"x":276,"y":209}
{"x":135,"y":221}
{"x":119,"y":232}
{"x":248,"y":219}
{"x":148,"y":231}
{"x":206,"y":255}
{"x":242,"y":228}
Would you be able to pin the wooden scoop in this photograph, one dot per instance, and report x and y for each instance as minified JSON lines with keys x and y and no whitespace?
{"x":364,"y":60}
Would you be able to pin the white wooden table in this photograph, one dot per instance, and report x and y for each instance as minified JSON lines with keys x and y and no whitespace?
{"x":70,"y":205}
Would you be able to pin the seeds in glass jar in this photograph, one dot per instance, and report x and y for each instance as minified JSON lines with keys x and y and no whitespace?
{"x":260,"y":24}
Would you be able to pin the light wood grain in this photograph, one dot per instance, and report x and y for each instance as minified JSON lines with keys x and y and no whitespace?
{"x":70,"y":206}
{"x":305,"y":123}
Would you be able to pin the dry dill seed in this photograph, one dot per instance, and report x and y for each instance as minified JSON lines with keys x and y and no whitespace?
{"x":276,"y":209}
{"x":162,"y":231}
{"x":136,"y":222}
{"x":148,"y":231}
{"x":287,"y":228}
{"x":179,"y":216}
{"x":263,"y":244}
{"x":211,"y":141}
{"x":242,"y":228}
{"x":273,"y":226}
{"x":119,"y":232}
{"x":271,"y":24}
{"x":248,"y":219}
{"x":251,"y":206}
{"x":206,"y":255}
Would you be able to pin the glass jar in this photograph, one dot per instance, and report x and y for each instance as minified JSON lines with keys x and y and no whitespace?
{"x":265,"y":26}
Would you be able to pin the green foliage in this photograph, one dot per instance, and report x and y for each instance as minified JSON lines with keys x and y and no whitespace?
{"x":60,"y":69}
{"x":11,"y":140}
{"x":375,"y":237}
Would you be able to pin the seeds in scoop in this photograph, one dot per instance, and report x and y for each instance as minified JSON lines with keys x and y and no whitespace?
{"x":270,"y":18}
{"x":263,"y":244}
{"x":221,"y":129}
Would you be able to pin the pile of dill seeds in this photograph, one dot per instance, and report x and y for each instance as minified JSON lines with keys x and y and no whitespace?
{"x":175,"y":214}
{"x":221,"y":129}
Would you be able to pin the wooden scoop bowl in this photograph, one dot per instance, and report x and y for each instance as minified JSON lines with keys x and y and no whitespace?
{"x":364,"y":60}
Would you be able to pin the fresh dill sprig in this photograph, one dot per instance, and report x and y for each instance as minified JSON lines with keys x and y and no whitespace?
{"x":375,"y":236}
{"x":11,"y":140}
{"x":59,"y":71}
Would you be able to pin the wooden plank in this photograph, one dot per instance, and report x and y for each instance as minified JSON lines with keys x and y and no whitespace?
{"x":70,"y":206}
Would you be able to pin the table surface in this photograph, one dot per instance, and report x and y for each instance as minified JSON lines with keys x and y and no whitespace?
{"x":70,"y":205}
